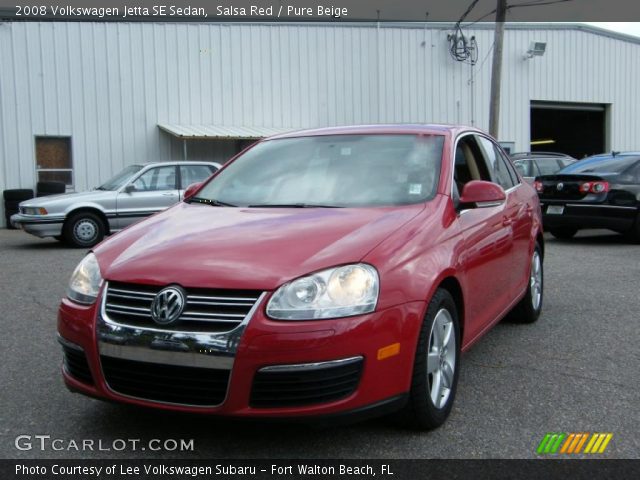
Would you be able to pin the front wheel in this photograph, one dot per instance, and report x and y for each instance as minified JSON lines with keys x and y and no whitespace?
{"x":634,"y":233}
{"x":529,"y":308}
{"x":83,"y":230}
{"x":436,"y":365}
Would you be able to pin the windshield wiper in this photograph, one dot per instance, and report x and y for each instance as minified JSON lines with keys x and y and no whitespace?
{"x":212,"y":202}
{"x":293,"y":205}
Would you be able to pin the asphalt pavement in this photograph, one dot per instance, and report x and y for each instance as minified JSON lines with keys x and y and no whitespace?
{"x":575,"y":370}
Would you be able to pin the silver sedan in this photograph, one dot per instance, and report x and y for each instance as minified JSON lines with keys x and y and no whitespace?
{"x":83,"y":219}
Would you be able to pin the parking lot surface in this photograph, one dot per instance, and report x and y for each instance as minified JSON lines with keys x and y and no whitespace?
{"x":575,"y":370}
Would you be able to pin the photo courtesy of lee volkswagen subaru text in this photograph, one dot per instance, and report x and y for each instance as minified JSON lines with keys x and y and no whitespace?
{"x":321,"y":273}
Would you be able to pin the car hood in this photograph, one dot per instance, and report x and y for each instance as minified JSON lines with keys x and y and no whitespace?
{"x":68,"y":198}
{"x":197,"y":245}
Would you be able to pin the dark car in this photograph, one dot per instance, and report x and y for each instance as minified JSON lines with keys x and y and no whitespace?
{"x":532,"y":164}
{"x":593,"y":159}
{"x":597,"y":194}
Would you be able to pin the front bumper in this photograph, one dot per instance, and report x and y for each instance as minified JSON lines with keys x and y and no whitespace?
{"x":240,"y":363}
{"x":582,"y":216}
{"x":38,"y":225}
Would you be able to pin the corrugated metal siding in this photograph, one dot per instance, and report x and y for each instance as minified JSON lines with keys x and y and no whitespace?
{"x":108,"y":85}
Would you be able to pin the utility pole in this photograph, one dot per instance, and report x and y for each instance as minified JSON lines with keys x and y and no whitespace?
{"x":496,"y":69}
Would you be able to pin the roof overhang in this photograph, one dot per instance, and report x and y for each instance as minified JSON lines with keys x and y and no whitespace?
{"x":212,"y":132}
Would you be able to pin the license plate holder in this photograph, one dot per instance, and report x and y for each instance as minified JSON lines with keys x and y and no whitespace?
{"x":555,"y":209}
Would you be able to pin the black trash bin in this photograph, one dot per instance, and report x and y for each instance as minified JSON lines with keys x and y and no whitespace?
{"x":50,"y":188}
{"x":12,"y":199}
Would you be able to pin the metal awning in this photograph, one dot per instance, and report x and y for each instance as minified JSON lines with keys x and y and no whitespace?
{"x":203,"y":132}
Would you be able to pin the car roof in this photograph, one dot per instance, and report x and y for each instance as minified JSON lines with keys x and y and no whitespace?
{"x":612,"y":155}
{"x":524,"y":155}
{"x":390,"y":129}
{"x":176,"y":162}
{"x":543,"y":157}
{"x":597,"y":159}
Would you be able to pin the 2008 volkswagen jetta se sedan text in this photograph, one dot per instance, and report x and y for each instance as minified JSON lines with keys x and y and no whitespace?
{"x":321,"y":273}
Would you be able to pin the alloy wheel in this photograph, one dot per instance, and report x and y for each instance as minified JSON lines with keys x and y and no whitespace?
{"x":441,"y":358}
{"x":535,"y":280}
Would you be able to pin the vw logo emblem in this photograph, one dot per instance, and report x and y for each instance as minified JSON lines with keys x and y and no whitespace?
{"x":167,"y":305}
{"x":560,"y":186}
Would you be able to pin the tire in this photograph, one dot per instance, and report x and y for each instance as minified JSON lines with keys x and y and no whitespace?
{"x":429,"y":406}
{"x":18,"y":194}
{"x":83,"y":230}
{"x":633,"y":235}
{"x":529,"y":308}
{"x":563,"y":233}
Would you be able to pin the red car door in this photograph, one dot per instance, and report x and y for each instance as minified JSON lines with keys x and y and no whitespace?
{"x":488,"y":244}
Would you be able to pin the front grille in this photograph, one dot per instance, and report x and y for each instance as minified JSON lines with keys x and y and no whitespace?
{"x":296,"y":388}
{"x":205,"y":310}
{"x":166,"y":383}
{"x":76,"y":365}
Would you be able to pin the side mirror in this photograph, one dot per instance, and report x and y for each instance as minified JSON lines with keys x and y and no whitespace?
{"x":129,"y":188}
{"x":478,"y":194}
{"x":191,"y":189}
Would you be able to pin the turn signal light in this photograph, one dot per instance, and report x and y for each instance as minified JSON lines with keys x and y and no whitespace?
{"x":594,"y":187}
{"x":389,"y":351}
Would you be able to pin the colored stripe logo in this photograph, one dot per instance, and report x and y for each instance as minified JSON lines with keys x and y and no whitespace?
{"x":574,"y":443}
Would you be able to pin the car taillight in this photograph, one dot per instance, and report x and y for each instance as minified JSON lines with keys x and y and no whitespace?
{"x":594,"y":187}
{"x":538,"y":186}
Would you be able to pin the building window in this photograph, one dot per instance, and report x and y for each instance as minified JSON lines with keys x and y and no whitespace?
{"x":53,"y":160}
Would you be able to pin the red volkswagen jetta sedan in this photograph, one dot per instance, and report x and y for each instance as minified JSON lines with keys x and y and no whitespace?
{"x":319,"y":273}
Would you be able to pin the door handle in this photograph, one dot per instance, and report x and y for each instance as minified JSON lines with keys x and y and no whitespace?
{"x":169,"y":194}
{"x":506,"y":221}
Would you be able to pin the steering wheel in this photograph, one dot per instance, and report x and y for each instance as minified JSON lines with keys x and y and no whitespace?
{"x":140,"y":181}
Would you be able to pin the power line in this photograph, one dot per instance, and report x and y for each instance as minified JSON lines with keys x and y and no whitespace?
{"x":537,"y":3}
{"x":468,"y":10}
{"x":461,"y":48}
{"x":518,"y":5}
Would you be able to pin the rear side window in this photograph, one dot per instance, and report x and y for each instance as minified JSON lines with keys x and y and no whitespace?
{"x":193,"y":174}
{"x":497,"y":166}
{"x":509,"y":165}
{"x":635,"y":172}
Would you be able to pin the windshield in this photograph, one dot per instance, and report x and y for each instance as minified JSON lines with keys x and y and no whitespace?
{"x":120,"y":178}
{"x":331,"y":171}
{"x":610,"y":165}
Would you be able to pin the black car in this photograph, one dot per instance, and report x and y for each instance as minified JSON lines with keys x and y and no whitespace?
{"x":602,"y":194}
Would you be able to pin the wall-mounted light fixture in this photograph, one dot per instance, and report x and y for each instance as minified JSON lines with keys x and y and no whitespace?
{"x":536,"y":49}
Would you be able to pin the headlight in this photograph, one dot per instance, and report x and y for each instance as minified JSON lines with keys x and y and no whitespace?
{"x":336,"y":292}
{"x":35,"y":211}
{"x":85,"y":281}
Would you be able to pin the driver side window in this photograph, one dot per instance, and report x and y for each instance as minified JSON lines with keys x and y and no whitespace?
{"x":155,"y":179}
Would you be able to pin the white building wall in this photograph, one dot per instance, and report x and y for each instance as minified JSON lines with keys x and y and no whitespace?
{"x":108,"y":85}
